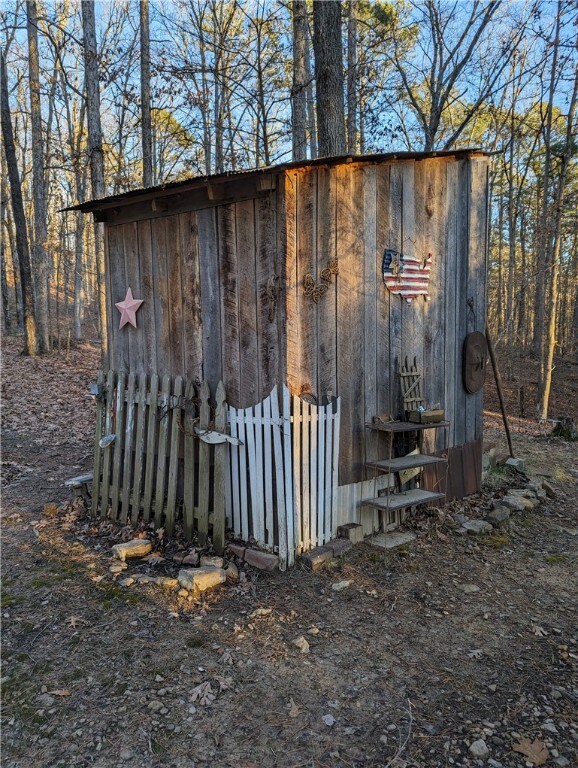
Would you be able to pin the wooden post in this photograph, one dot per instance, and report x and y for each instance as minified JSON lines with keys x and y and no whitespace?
{"x":498,"y":379}
{"x":221,"y":462}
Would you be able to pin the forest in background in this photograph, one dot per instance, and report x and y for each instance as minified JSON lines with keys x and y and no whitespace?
{"x":99,"y":98}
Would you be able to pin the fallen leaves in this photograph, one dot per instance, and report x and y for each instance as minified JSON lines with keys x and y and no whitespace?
{"x":475,"y":653}
{"x":75,"y":621}
{"x":535,"y":751}
{"x":60,"y":692}
{"x":294,"y":710}
{"x":203,"y":694}
{"x":539,"y":631}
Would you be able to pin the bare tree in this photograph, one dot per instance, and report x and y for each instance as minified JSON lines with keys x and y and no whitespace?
{"x":32,"y":341}
{"x":352,"y":77}
{"x":328,"y":52}
{"x":145,"y":95}
{"x":39,"y":180}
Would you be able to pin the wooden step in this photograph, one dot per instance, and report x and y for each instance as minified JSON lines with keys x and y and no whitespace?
{"x":405,"y":462}
{"x":405,"y":426}
{"x":401,"y":500}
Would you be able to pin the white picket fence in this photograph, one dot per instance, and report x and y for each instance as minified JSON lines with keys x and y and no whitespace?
{"x":284,"y":474}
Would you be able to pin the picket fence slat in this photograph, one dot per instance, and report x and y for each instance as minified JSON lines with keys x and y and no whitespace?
{"x":235,"y":507}
{"x":173,"y":461}
{"x":119,"y":432}
{"x":138,"y":448}
{"x":128,"y":439}
{"x":289,"y":477}
{"x":97,"y":465}
{"x":189,"y":464}
{"x":328,"y":473}
{"x":282,"y":509}
{"x":204,"y":461}
{"x":219,"y":492}
{"x":268,"y":472}
{"x":152,"y":422}
{"x":162,"y":450}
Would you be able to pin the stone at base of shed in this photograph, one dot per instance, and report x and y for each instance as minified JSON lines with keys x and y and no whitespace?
{"x":351,"y":531}
{"x":265,"y":561}
{"x":320,"y":555}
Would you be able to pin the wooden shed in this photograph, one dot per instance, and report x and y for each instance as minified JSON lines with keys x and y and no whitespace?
{"x":279,"y":277}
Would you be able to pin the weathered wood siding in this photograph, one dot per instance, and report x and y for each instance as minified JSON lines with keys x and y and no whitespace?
{"x":204,"y":276}
{"x":352,"y":341}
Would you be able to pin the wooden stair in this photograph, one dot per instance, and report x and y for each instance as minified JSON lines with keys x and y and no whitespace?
{"x":404,"y":499}
{"x":405,"y":462}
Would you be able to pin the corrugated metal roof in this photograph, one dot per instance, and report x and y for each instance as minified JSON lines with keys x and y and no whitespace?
{"x":198,"y":181}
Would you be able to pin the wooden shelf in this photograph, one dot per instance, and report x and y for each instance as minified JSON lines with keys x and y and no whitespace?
{"x":405,"y":499}
{"x":406,"y":426}
{"x":405,"y":462}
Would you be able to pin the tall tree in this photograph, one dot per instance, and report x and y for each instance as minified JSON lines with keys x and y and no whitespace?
{"x":145,"y":95}
{"x":32,"y":341}
{"x":300,"y":80}
{"x":39,"y":180}
{"x":95,"y":151}
{"x":352,"y":77}
{"x":328,"y":51}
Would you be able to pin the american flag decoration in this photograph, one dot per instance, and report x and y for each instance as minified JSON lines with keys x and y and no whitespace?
{"x":405,"y":275}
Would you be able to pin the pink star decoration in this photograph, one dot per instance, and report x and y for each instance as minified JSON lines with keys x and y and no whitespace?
{"x":128,"y":309}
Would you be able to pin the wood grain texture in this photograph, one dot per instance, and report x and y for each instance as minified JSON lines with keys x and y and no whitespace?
{"x":119,"y":350}
{"x":146,"y":314}
{"x":129,"y":434}
{"x":267,"y":313}
{"x":395,"y":302}
{"x":134,"y":336}
{"x":212,"y":295}
{"x":452,"y":211}
{"x":370,"y":300}
{"x":98,"y":434}
{"x":385,"y":378}
{"x":174,"y":446}
{"x":175,"y":295}
{"x":151,"y":443}
{"x":293,"y":293}
{"x":230,"y":331}
{"x":221,"y":470}
{"x":327,"y":307}
{"x":192,"y":321}
{"x":161,"y":468}
{"x":462,"y":206}
{"x":307,"y":264}
{"x":247,"y":303}
{"x":139,"y":444}
{"x":161,"y":297}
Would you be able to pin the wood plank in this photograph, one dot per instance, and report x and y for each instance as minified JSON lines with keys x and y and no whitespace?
{"x":120,"y":336}
{"x":139,"y":447}
{"x":451,"y":287}
{"x":307,"y":265}
{"x":335,"y":466}
{"x":189,"y":462}
{"x":476,"y":277}
{"x":243,"y":477}
{"x":287,"y":459}
{"x":146,"y":315}
{"x":174,"y":269}
{"x":412,"y":244}
{"x":108,"y":355}
{"x":98,"y":434}
{"x":320,"y":482}
{"x":268,"y":468}
{"x":384,"y":376}
{"x":230,"y":332}
{"x":371,"y":295}
{"x":293,"y":288}
{"x":311,"y":427}
{"x":327,"y":307}
{"x":350,"y":313}
{"x":164,"y":423}
{"x":192,"y":320}
{"x":283,"y":510}
{"x":118,"y":427}
{"x":161,"y":297}
{"x":329,"y":419}
{"x":395,"y":302}
{"x":204,"y":466}
{"x":259,"y":478}
{"x":174,"y":452}
{"x":461,"y":316}
{"x":151,"y":440}
{"x":247,"y":299}
{"x":235,"y":486}
{"x":280,"y":269}
{"x":300,"y":533}
{"x":255,"y":510}
{"x":406,"y":462}
{"x":135,"y":337}
{"x":304,"y":472}
{"x":267,"y":267}
{"x":403,"y":500}
{"x":129,"y":435}
{"x":210,"y":297}
{"x":221,"y":471}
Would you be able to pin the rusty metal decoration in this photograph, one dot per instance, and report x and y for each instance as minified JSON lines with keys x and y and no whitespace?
{"x":475,"y":353}
{"x":317,"y":290}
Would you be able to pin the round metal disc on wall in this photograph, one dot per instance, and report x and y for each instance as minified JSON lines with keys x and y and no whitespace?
{"x":475,"y":353}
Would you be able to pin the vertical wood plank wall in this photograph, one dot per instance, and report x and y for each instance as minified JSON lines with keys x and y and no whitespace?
{"x":203,"y":276}
{"x":206,"y":275}
{"x":353,"y":340}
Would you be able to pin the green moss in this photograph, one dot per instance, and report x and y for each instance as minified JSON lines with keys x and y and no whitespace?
{"x":556,"y":559}
{"x":496,"y":540}
{"x":8,"y":600}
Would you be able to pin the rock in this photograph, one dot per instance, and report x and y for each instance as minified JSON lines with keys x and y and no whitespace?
{"x":45,"y":700}
{"x":469,"y":588}
{"x":155,"y":706}
{"x":301,"y":643}
{"x":134,"y":548}
{"x":563,"y":762}
{"x":477,"y":526}
{"x":166,"y":582}
{"x":525,"y":493}
{"x":459,"y":518}
{"x":118,"y":567}
{"x":550,"y":727}
{"x":201,"y":579}
{"x":232,"y":573}
{"x":183,"y":593}
{"x":316,"y":557}
{"x":216,"y":562}
{"x":498,"y":517}
{"x":515,"y":503}
{"x":191,"y":559}
{"x":238,"y":550}
{"x":141,"y":578}
{"x":479,"y":749}
{"x":550,"y":492}
{"x":340,"y":585}
{"x":351,"y":531}
{"x":339,"y":546}
{"x":178,"y":558}
{"x":493,"y":687}
{"x":328,"y":720}
{"x":262,"y":560}
{"x":515,"y":464}
{"x":126,"y":582}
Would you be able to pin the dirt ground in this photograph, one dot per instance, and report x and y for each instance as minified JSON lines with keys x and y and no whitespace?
{"x":429,"y":649}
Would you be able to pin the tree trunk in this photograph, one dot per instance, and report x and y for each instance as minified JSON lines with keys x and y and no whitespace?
{"x":300,"y":80}
{"x":32,"y":343}
{"x":352,"y":80}
{"x":328,"y":52}
{"x":38,"y":181}
{"x":96,"y":155}
{"x":145,"y":95}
